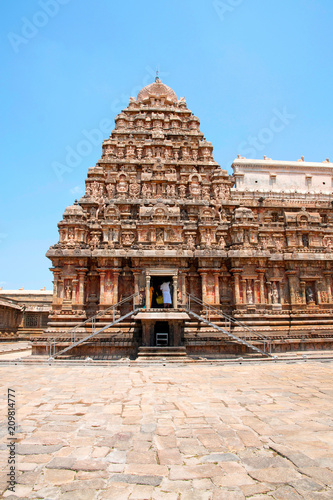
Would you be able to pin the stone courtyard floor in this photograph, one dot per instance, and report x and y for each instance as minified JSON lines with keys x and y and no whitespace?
{"x":172,"y":431}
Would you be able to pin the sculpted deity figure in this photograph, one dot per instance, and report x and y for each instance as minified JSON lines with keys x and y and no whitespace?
{"x":122,"y":185}
{"x":222,"y":242}
{"x":309,"y":294}
{"x":68,"y":292}
{"x":224,"y":192}
{"x":146,"y":191}
{"x":208,"y":239}
{"x":205,"y":193}
{"x":249,"y":296}
{"x":171,"y":190}
{"x":275,"y":295}
{"x":94,"y":242}
{"x":134,"y":189}
{"x":110,"y":190}
{"x":190,"y":241}
{"x":182,"y":191}
{"x":195,"y":189}
{"x":160,"y":236}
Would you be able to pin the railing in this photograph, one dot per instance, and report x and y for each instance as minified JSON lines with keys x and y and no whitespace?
{"x":74,"y":331}
{"x":210,"y":311}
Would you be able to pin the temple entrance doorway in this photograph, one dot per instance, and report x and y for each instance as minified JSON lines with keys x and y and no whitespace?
{"x":156,"y":293}
{"x":161,"y":331}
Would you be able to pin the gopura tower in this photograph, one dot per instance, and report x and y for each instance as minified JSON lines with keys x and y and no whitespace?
{"x":152,"y":211}
{"x":158,"y":208}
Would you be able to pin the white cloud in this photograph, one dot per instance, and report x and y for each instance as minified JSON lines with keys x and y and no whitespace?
{"x":76,"y":190}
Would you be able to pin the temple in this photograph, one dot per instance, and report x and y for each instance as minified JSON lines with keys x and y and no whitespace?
{"x":251,"y":252}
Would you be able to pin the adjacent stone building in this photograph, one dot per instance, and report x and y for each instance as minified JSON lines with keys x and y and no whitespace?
{"x":158,"y":208}
{"x":23,"y":313}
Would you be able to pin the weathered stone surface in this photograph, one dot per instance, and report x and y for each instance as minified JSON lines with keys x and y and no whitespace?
{"x":325,"y":476}
{"x":137,"y":479}
{"x":58,"y":476}
{"x":198,"y":471}
{"x":275,"y":475}
{"x":36,"y":449}
{"x":220,"y":457}
{"x":286,"y":493}
{"x":247,"y":390}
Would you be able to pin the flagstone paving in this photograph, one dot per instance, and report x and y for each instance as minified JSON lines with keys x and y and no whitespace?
{"x":171,"y":431}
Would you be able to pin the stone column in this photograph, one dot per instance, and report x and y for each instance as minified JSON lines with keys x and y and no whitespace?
{"x":244,"y":290}
{"x":328,"y":279}
{"x":291,"y":275}
{"x":204,"y":286}
{"x":147,"y":291}
{"x":74,"y":285}
{"x":115,"y":286}
{"x":262,"y":286}
{"x":280,"y":290}
{"x":101,"y":286}
{"x":303,"y":295}
{"x":136,"y":275}
{"x":81,"y":286}
{"x":217,"y":287}
{"x":175,"y":292}
{"x":56,"y":285}
{"x":183,"y":287}
{"x":269,"y":292}
{"x":60,"y":289}
{"x":256,"y":291}
{"x":237,"y":287}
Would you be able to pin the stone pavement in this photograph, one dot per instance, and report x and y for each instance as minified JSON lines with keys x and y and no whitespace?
{"x":173,"y":432}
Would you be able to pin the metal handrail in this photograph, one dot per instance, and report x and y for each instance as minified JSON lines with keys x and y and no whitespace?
{"x":92,"y":320}
{"x":267,"y":344}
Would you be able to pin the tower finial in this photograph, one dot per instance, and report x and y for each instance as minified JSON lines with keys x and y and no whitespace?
{"x":157,"y":73}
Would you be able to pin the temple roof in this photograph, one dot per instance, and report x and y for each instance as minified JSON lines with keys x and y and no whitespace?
{"x":157,"y":90}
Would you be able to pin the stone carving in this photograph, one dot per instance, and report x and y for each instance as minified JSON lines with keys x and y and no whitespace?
{"x":134,"y":189}
{"x":157,"y":200}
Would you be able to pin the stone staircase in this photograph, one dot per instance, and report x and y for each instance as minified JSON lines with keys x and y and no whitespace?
{"x":147,"y":353}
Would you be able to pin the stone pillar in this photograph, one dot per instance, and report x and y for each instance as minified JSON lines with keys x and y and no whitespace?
{"x":60,"y":289}
{"x":328,"y":279}
{"x":237,"y":287}
{"x":175,"y":292}
{"x":74,"y":285}
{"x":115,"y":286}
{"x":101,"y":286}
{"x":269,"y":292}
{"x":204,"y":286}
{"x":147,"y":291}
{"x":56,"y":285}
{"x":291,"y":275}
{"x":136,"y":275}
{"x":81,"y":286}
{"x":183,"y":287}
{"x":244,"y":290}
{"x":262,"y":286}
{"x":217,"y":287}
{"x":280,"y":290}
{"x":256,"y":291}
{"x":303,"y":295}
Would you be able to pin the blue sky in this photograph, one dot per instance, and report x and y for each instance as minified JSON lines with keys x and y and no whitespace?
{"x":68,"y":67}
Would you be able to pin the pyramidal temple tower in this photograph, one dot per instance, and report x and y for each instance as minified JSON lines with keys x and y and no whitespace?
{"x":163,"y":239}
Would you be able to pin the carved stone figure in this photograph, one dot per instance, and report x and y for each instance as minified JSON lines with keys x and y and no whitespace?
{"x":134,"y":189}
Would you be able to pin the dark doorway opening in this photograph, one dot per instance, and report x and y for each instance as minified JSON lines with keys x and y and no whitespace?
{"x":155,"y":292}
{"x":161,"y":331}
